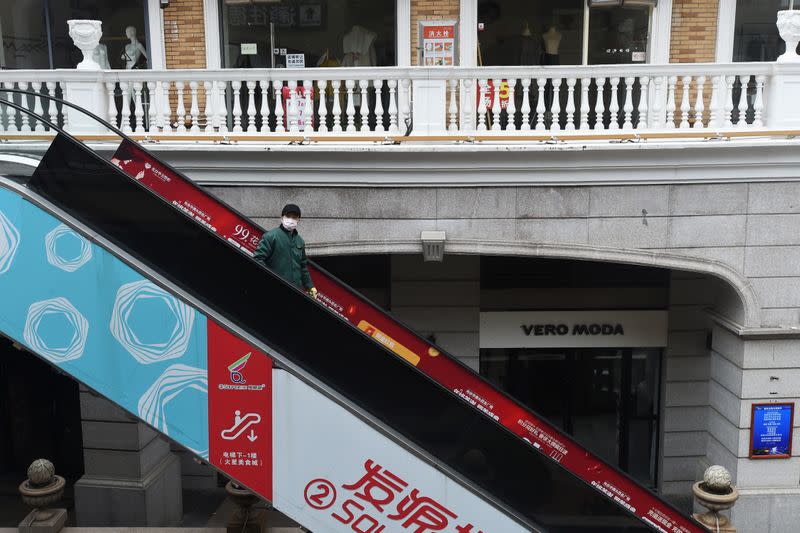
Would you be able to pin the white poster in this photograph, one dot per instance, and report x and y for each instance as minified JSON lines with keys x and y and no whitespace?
{"x":333,"y":472}
{"x":573,"y":329}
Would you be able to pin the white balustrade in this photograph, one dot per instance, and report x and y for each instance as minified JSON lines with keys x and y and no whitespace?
{"x":377,"y":102}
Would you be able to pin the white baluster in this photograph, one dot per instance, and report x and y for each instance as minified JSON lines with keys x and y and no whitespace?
{"x":180,"y":111}
{"x":467,"y":109}
{"x":350,"y":108}
{"x":337,"y":106}
{"x":280,"y":121}
{"x":744,"y":104}
{"x":511,"y":107}
{"x":643,"y":121}
{"x":392,"y":84}
{"x":598,"y":110}
{"x":584,"y":117}
{"x":714,"y":115}
{"x":52,"y":110}
{"x":208,"y":108}
{"x":700,"y":103}
{"x":686,"y":83}
{"x":111,"y":114}
{"x":482,"y":89}
{"x":570,"y":125}
{"x":31,"y":122}
{"x":379,"y":126}
{"x":657,"y":111}
{"x":496,"y":107}
{"x":322,"y":112}
{"x":525,"y":108}
{"x":727,"y":117}
{"x":309,"y":116}
{"x":263,"y":107}
{"x":540,"y":107}
{"x":3,"y":109}
{"x":555,"y":105}
{"x":405,"y":110}
{"x":671,"y":106}
{"x":152,"y":107}
{"x":613,"y":105}
{"x":627,"y":109}
{"x":36,"y":87}
{"x":221,"y":105}
{"x":291,"y":106}
{"x":237,"y":106}
{"x":758,"y":105}
{"x":137,"y":110}
{"x":248,"y":112}
{"x":166,"y":107}
{"x":125,"y":121}
{"x":194,"y":107}
{"x":363,"y":109}
{"x":452,"y":107}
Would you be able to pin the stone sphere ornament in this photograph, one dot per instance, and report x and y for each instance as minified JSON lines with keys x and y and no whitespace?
{"x":789,"y":28}
{"x":717,"y":479}
{"x":41,"y":473}
{"x":86,"y":36}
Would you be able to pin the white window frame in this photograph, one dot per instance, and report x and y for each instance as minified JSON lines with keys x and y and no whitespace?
{"x":212,"y":17}
{"x":155,"y":27}
{"x":726,"y":22}
{"x":660,"y":32}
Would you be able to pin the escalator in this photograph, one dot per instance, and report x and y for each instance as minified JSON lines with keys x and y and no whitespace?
{"x":351,"y":383}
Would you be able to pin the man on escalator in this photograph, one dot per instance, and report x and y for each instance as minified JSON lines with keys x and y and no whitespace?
{"x":283,"y":251}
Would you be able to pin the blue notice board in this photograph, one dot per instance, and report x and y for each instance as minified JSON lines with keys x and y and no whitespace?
{"x":771,"y":430}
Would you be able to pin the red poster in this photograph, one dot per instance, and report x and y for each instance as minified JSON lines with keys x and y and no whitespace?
{"x":404,"y":343}
{"x":240,"y":410}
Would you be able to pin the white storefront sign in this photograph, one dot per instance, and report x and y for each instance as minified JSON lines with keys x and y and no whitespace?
{"x":335,"y":473}
{"x":573,"y":329}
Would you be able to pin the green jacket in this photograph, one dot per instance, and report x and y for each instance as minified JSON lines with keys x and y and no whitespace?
{"x":285,"y":254}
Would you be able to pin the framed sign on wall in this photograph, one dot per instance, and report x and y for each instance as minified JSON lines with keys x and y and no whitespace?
{"x":771,"y":430}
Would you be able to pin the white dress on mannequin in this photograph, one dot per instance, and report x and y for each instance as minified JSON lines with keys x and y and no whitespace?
{"x":359,"y":48}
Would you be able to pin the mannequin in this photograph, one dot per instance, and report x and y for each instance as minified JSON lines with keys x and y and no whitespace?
{"x":528,"y":50}
{"x":359,"y":51}
{"x":552,"y":41}
{"x":134,"y":50}
{"x":359,"y":47}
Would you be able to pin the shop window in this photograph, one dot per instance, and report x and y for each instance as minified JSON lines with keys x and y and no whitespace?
{"x":34,"y":33}
{"x":308,"y":33}
{"x":756,"y":35}
{"x":563,"y":32}
{"x":606,"y":398}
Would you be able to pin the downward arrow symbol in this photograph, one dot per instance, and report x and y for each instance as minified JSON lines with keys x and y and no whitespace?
{"x":252,"y":436}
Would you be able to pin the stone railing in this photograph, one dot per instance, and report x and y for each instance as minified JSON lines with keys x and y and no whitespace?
{"x":351,"y":103}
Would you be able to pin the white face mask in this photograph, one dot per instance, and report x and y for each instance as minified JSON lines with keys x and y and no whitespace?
{"x":289,"y":223}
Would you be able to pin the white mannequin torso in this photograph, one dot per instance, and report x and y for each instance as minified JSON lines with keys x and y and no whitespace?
{"x":552,"y":41}
{"x":358,"y":47}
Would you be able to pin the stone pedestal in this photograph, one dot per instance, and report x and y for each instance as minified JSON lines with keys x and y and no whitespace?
{"x":131,"y":478}
{"x":90,"y":95}
{"x":33,"y":523}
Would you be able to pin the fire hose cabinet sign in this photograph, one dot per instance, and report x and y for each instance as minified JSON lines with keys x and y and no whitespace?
{"x":771,"y":430}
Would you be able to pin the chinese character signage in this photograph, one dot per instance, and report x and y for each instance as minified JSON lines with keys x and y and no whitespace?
{"x":357,"y":479}
{"x":771,"y":431}
{"x":438,"y":43}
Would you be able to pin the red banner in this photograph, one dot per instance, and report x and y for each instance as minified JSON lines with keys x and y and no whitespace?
{"x":240,"y":410}
{"x":409,"y":346}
